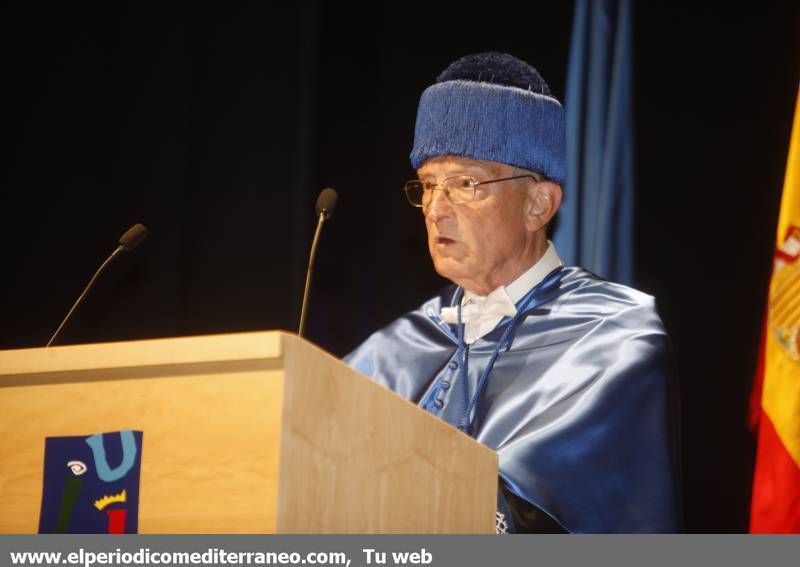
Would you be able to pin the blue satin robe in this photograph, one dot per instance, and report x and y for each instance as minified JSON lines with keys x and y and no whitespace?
{"x":581,"y":408}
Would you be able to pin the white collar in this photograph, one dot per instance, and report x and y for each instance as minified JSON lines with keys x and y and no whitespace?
{"x":482,"y":314}
{"x":530,"y":278}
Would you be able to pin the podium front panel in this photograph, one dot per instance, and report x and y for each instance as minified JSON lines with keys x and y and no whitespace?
{"x":208,"y":407}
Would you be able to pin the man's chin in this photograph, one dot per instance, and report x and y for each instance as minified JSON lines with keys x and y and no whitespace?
{"x":448,"y":268}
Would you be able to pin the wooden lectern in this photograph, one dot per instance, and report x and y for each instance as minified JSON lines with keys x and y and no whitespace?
{"x":243,"y":433}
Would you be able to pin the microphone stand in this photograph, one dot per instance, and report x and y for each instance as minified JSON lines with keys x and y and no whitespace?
{"x":320,"y":221}
{"x":99,"y":271}
{"x":128,"y":241}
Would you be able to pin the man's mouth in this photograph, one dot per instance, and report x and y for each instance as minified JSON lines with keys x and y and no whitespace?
{"x":444,"y":241}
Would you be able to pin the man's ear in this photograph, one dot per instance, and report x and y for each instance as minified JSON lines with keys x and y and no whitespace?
{"x":544,"y":199}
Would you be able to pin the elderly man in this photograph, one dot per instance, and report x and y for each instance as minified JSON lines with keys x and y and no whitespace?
{"x":564,"y":374}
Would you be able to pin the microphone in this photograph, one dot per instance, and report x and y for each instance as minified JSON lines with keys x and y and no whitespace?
{"x":326,"y":204}
{"x":133,"y":237}
{"x":127,"y":242}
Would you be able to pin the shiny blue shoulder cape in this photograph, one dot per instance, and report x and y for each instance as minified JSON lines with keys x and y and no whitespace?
{"x":580,"y":409}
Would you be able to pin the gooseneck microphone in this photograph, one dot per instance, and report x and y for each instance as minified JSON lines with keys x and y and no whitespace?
{"x":326,"y":203}
{"x":127,"y":242}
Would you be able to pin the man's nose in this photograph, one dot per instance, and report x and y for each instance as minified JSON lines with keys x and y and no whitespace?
{"x":439,"y":206}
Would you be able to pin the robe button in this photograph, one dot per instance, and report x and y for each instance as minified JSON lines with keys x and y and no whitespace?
{"x":453,"y":365}
{"x":444,"y":385}
{"x":438,"y":403}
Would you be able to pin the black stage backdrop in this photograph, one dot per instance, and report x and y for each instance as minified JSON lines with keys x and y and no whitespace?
{"x":216,"y":126}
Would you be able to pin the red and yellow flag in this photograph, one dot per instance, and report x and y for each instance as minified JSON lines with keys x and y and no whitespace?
{"x":775,"y":403}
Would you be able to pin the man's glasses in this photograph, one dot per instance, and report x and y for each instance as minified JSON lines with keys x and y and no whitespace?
{"x":458,"y":189}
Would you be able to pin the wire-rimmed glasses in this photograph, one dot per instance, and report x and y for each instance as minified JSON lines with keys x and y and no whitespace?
{"x":458,"y":189}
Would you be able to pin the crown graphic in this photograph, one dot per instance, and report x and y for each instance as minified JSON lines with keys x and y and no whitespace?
{"x":110,"y":499}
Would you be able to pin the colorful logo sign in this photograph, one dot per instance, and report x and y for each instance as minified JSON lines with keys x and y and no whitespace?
{"x":91,"y":484}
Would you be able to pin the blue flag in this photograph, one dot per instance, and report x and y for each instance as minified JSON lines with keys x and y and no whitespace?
{"x":595,"y":226}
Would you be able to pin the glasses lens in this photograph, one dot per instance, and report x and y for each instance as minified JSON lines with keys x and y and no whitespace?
{"x":460,"y":189}
{"x":414,"y":191}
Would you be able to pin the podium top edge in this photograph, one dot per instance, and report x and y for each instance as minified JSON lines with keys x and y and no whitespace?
{"x":229,"y":347}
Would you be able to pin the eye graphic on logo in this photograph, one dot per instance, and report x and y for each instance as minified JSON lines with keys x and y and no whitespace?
{"x":77,"y":467}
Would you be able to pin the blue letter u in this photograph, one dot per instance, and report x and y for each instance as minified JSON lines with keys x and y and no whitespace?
{"x":105,"y":472}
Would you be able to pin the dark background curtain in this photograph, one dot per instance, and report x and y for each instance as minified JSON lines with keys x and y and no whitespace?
{"x":216,"y":126}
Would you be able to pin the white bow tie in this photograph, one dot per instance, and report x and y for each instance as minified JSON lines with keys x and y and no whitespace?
{"x":480,"y":314}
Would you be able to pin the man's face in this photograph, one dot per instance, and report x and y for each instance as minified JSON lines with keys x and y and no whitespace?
{"x":485,"y":243}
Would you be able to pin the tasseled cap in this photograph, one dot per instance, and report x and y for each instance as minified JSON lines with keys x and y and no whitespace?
{"x":493,"y":107}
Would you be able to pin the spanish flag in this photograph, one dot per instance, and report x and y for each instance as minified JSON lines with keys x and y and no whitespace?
{"x":775,"y":403}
